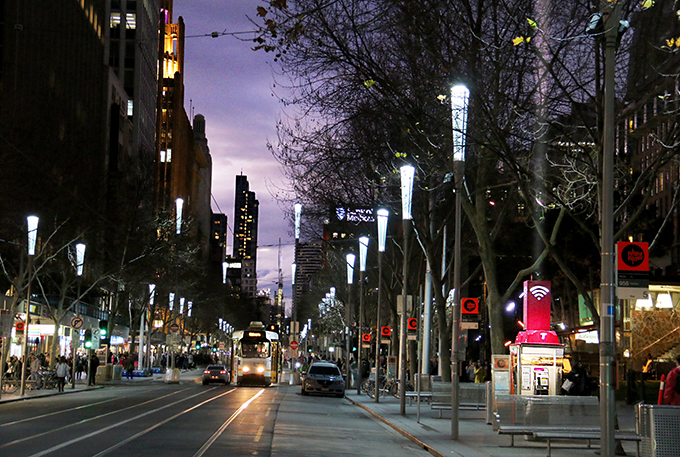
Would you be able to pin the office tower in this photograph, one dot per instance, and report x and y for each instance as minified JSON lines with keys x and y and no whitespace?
{"x":246,"y":209}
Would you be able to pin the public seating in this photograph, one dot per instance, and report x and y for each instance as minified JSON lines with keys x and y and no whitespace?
{"x":550,"y":418}
{"x":470,"y":396}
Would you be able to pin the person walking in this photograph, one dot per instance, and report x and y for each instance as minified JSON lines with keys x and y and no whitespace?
{"x":94,"y":363}
{"x":129,"y":365}
{"x":62,"y":371}
{"x":34,"y":366}
{"x":671,"y":392}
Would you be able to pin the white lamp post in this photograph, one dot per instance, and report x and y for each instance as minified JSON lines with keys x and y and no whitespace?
{"x":407,"y":176}
{"x":363,"y":251}
{"x":298,"y":216}
{"x":32,"y":223}
{"x":348,"y":315}
{"x":460,"y":96}
{"x":80,"y":261}
{"x":383,"y":216}
{"x":224,"y":272}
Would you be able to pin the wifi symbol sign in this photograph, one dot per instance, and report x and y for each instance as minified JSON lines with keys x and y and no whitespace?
{"x":539,"y":292}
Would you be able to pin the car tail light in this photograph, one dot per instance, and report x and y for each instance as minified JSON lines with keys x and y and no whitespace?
{"x":206,"y":372}
{"x":223,"y":372}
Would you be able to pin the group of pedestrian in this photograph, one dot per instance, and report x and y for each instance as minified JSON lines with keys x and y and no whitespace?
{"x":477,"y":372}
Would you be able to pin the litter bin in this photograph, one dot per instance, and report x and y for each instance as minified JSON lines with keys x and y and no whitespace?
{"x":117,"y":372}
{"x":658,"y":426}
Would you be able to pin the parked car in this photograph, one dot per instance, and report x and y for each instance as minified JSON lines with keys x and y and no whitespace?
{"x":323,"y":378}
{"x":215,"y":373}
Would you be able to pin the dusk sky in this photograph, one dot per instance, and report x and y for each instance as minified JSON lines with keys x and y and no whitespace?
{"x":233,"y":87}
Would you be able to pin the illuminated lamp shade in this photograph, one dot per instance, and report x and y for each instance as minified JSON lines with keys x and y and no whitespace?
{"x":350,"y":268}
{"x":642,"y":303}
{"x":664,"y":301}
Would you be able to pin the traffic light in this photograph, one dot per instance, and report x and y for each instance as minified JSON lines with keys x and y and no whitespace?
{"x":88,"y":339}
{"x":103,"y":328}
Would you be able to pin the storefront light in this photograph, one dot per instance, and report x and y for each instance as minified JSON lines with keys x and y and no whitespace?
{"x":642,"y":303}
{"x":664,"y":301}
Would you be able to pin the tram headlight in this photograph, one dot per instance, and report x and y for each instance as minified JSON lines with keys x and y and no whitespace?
{"x":260,"y":369}
{"x":246,"y":369}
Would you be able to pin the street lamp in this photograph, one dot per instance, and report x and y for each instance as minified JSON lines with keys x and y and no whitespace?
{"x":32,"y":223}
{"x":298,"y":216}
{"x":460,"y":96}
{"x":348,"y":314}
{"x":179,"y":204}
{"x":383,"y":216}
{"x":363,"y":250}
{"x":80,"y":261}
{"x":408,"y":173}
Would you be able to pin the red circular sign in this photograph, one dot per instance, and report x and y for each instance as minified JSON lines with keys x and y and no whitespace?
{"x":20,"y":326}
{"x":174,"y":327}
{"x":294,"y":345}
{"x":77,"y":323}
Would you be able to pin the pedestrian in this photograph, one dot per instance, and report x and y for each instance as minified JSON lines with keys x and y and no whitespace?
{"x":671,"y":393}
{"x":62,"y":371}
{"x":480,"y":373}
{"x":34,"y":366}
{"x":470,"y":370}
{"x":80,"y":367}
{"x":129,"y":366}
{"x":94,"y":363}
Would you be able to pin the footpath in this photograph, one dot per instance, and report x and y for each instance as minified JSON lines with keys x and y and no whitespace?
{"x":425,"y":427}
{"x":81,"y":385}
{"x":475,"y":437}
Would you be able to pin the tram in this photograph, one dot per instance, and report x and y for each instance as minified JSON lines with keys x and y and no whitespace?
{"x":256,"y":356}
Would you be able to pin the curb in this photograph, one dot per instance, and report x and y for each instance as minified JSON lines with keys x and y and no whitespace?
{"x":415,"y":440}
{"x":46,"y":394}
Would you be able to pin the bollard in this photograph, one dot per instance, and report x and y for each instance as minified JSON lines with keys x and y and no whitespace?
{"x":661,"y":387}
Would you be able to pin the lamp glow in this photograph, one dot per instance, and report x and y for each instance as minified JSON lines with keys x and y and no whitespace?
{"x":152,"y":291}
{"x":171,"y":297}
{"x":80,"y":258}
{"x":294,"y":270}
{"x":408,"y":173}
{"x":460,"y":96}
{"x":181,"y":305}
{"x":298,"y":215}
{"x":179,"y":204}
{"x":350,"y":268}
{"x":190,"y":305}
{"x":224,"y":272}
{"x":32,"y":233}
{"x":642,"y":303}
{"x":383,"y":216}
{"x":363,"y":250}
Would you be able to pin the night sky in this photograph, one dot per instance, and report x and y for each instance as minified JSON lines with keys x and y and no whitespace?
{"x":233,"y":87}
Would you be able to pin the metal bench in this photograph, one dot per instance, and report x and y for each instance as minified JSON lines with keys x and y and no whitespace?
{"x":619,"y":435}
{"x":524,"y":414}
{"x":470,"y":395}
{"x":413,"y":396}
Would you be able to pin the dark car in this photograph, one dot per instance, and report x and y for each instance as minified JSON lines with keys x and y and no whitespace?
{"x":324,"y":378}
{"x":215,"y":373}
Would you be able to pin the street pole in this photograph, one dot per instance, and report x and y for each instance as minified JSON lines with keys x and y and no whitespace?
{"x":32,"y":225}
{"x":607,"y":305}
{"x":348,"y":316}
{"x":363,"y":251}
{"x":73,"y":347}
{"x":460,"y":96}
{"x":407,"y":176}
{"x":383,"y":216}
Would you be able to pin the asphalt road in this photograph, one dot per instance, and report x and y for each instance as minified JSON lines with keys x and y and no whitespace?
{"x":191,"y":420}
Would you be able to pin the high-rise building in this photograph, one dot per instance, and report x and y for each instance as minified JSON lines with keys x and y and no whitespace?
{"x":246,"y":209}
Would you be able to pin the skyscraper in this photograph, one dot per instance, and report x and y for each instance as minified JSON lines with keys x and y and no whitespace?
{"x":246,"y":209}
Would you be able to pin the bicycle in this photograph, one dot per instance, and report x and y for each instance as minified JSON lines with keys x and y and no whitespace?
{"x":48,"y":379}
{"x":10,"y":383}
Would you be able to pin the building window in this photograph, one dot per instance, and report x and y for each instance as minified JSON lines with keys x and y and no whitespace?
{"x":130,"y":21}
{"x":130,"y":108}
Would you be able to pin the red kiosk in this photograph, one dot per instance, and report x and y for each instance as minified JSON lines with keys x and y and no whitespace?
{"x":537,"y":355}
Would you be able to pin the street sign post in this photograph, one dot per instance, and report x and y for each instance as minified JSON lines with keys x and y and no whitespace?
{"x":174,"y":327}
{"x":77,"y":323}
{"x":294,"y":345}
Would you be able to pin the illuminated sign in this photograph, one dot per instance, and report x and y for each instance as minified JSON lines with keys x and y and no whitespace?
{"x":354,"y":215}
{"x":537,"y":305}
{"x":255,"y":334}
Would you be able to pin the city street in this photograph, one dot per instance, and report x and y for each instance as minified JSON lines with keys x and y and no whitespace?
{"x":189,"y":419}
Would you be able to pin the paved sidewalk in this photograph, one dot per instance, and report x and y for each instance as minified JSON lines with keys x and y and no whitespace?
{"x":476,"y":438}
{"x":81,"y":385}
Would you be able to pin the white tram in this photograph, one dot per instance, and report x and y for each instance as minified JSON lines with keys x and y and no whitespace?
{"x":256,"y":356}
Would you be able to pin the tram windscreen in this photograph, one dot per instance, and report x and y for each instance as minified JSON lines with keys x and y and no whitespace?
{"x":254,"y":349}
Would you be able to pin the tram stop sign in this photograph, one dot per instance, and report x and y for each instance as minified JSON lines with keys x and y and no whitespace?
{"x":174,"y":327}
{"x":294,"y":345}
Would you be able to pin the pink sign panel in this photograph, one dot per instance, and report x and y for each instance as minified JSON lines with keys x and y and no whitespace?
{"x":537,"y":305}
{"x":537,"y":337}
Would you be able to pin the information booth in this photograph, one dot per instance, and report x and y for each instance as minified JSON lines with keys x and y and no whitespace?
{"x":536,"y":361}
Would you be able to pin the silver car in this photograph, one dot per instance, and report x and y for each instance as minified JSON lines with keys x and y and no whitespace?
{"x":323,"y":378}
{"x":216,"y":373}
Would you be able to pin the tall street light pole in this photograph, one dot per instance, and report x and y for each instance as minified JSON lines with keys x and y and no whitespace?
{"x":348,"y":315}
{"x":611,"y":27}
{"x":407,"y":176}
{"x":460,"y":96}
{"x":383,"y":216}
{"x":363,"y":250}
{"x":80,"y":260}
{"x":32,"y":222}
{"x":298,"y":217}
